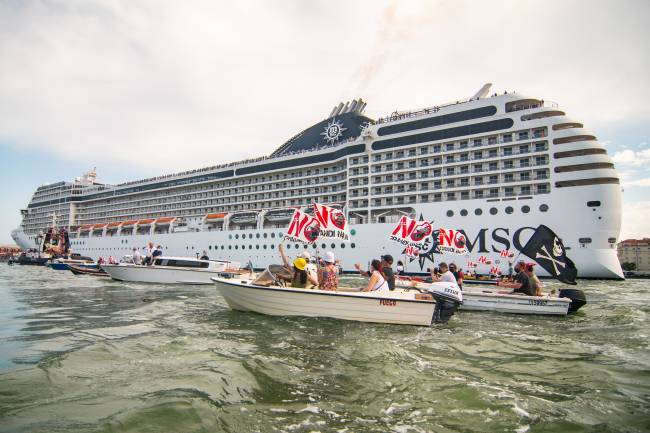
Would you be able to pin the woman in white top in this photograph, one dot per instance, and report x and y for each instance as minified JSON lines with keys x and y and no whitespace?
{"x":377,"y":281}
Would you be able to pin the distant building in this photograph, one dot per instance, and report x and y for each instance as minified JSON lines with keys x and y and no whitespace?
{"x":635,"y":251}
{"x":8,"y":250}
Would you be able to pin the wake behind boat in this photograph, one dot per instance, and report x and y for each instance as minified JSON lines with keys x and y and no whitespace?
{"x":266,"y":295}
{"x":172,"y":270}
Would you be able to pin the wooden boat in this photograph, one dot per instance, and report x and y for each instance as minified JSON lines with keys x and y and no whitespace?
{"x":173,"y":270}
{"x":83,"y":270}
{"x":264,"y":295}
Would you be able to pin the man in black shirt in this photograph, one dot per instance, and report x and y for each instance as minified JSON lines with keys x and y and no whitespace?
{"x":521,"y":282}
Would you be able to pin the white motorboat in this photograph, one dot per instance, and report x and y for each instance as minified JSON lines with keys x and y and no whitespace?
{"x":264,"y":295}
{"x":488,"y":298}
{"x":174,"y":270}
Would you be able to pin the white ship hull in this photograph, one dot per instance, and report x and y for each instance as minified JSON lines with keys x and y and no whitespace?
{"x":394,"y":307}
{"x":487,"y":235}
{"x":159,"y":275}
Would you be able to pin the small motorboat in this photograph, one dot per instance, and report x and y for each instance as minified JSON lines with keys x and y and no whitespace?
{"x":487,"y":298}
{"x":268,"y":295}
{"x":82,"y":270}
{"x":173,"y":270}
{"x":62,"y":264}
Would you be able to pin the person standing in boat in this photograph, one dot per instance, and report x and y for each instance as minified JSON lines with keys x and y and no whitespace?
{"x":137,"y":256}
{"x":205,"y":255}
{"x":458,"y":274}
{"x":400,"y":268}
{"x":377,"y":281}
{"x":148,"y":253}
{"x":157,"y":252}
{"x":328,"y":278}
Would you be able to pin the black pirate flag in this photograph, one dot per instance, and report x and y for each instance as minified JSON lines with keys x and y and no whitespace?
{"x":546,"y":248}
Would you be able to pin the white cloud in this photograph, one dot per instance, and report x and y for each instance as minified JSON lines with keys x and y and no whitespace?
{"x":637,"y":182}
{"x":635,"y":220}
{"x":173,"y":85}
{"x":632,"y":158}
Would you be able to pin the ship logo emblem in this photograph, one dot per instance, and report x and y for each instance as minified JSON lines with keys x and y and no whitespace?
{"x":333,"y":131}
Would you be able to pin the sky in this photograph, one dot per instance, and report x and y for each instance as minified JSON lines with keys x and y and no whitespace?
{"x":141,"y":88}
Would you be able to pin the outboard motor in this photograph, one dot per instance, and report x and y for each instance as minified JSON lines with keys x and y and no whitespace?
{"x":578,"y":298}
{"x":448,"y":298}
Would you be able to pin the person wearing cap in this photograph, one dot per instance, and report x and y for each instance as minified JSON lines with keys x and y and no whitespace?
{"x":521,"y":283}
{"x":328,"y":278}
{"x":386,"y":270}
{"x":535,"y":284}
{"x":445,"y":274}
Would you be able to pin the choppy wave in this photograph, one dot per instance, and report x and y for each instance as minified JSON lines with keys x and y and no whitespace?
{"x":86,"y":354}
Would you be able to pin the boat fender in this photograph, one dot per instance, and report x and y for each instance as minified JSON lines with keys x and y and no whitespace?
{"x":577,"y":297}
{"x":448,"y":297}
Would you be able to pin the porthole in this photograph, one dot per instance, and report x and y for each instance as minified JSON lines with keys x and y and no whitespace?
{"x":463,"y":212}
{"x":257,"y":246}
{"x":288,"y":246}
{"x":584,"y":240}
{"x":272,"y":235}
{"x":543,"y":208}
{"x":297,"y":246}
{"x":222,"y":247}
{"x":509,"y":210}
{"x":236,"y":247}
{"x":209,"y":247}
{"x":187,"y":248}
{"x":314,"y":246}
{"x":264,"y":246}
{"x":332,"y":245}
{"x":342,"y":245}
{"x":450,"y":213}
{"x":478,"y":211}
{"x":257,"y":235}
{"x":250,"y":236}
{"x":230,"y":247}
{"x":250,"y":247}
{"x":265,"y":235}
{"x":229,"y":236}
{"x":323,"y":246}
{"x":236,"y":236}
{"x":493,"y":211}
{"x":353,"y":245}
{"x":272,"y":246}
{"x":525,"y":208}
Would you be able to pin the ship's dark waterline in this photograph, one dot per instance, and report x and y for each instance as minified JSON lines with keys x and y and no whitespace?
{"x":89,"y":354}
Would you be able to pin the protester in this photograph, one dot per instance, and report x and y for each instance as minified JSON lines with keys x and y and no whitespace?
{"x":400,"y":268}
{"x":377,"y":281}
{"x":205,"y":255}
{"x":157,"y":252}
{"x":521,"y":282}
{"x":445,"y":274}
{"x":458,"y":274}
{"x":535,"y":283}
{"x":328,"y":274}
{"x":148,"y":253}
{"x":386,"y":270}
{"x":137,"y":257}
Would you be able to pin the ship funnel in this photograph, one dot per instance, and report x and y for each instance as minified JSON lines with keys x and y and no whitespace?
{"x":483,"y":91}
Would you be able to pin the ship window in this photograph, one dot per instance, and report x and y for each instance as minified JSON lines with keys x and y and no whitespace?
{"x":257,"y":235}
{"x":272,"y":246}
{"x":493,"y":211}
{"x":342,"y":245}
{"x":573,"y":139}
{"x":264,"y":246}
{"x":332,"y":246}
{"x":509,"y":210}
{"x":525,"y":209}
{"x":272,"y":235}
{"x":323,"y":246}
{"x":478,"y":211}
{"x":578,"y":167}
{"x":288,"y":246}
{"x":236,"y":247}
{"x":250,"y":236}
{"x":463,"y":212}
{"x":543,"y":208}
{"x":611,"y":240}
{"x":353,"y":245}
{"x":579,"y":152}
{"x":297,"y":246}
{"x":236,"y":236}
{"x":450,"y":213}
{"x":265,"y":235}
{"x":583,"y":182}
{"x":584,"y":240}
{"x":593,"y":203}
{"x":209,"y":247}
{"x":222,"y":247}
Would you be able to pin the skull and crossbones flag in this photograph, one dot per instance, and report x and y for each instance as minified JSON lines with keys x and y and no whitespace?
{"x":547,"y":250}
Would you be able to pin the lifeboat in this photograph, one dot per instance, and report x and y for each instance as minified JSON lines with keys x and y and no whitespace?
{"x":278,"y":215}
{"x":244,"y":218}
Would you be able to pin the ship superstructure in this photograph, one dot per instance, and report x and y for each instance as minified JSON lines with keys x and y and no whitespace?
{"x":494,"y":166}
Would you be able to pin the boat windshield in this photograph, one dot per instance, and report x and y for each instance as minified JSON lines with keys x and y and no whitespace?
{"x":182,"y":263}
{"x":273,"y":275}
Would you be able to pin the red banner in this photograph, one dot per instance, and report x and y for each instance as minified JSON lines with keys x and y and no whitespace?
{"x":452,"y":241}
{"x":302,"y":228}
{"x":332,"y":222}
{"x":411,"y":233}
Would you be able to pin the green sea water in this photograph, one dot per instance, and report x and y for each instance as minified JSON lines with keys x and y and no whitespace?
{"x":82,"y":354}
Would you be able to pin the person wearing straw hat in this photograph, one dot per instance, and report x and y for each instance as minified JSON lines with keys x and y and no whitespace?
{"x":328,"y":278}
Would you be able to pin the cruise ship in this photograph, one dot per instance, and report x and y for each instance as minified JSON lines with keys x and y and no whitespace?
{"x":494,"y":166}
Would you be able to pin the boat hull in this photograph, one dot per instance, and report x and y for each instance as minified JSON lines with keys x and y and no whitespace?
{"x":159,"y":274}
{"x":504,"y":303}
{"x":393,"y":308}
